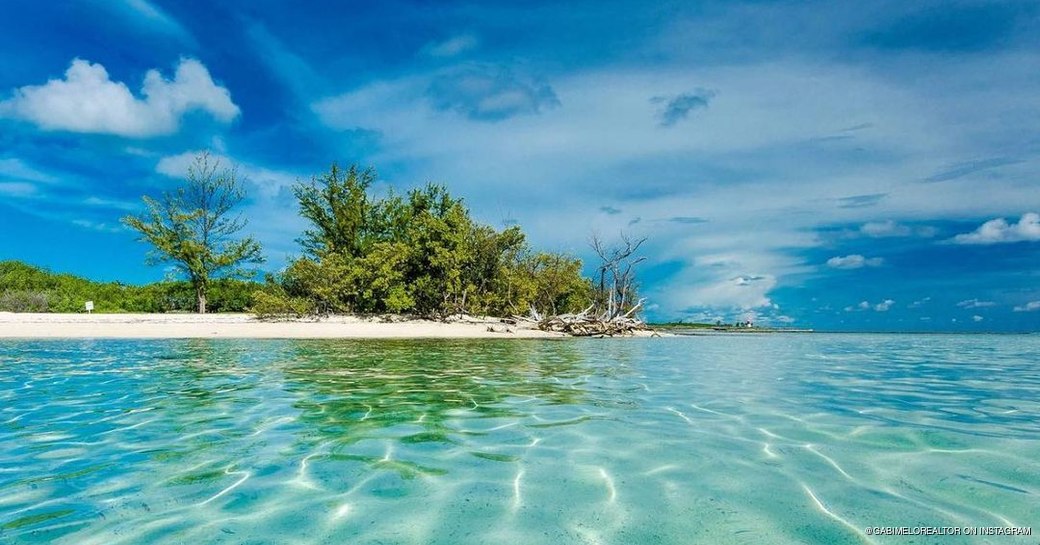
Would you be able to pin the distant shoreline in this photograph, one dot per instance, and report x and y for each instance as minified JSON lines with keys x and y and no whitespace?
{"x":246,"y":326}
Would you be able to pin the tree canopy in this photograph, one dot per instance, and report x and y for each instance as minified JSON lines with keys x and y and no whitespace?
{"x":419,"y":253}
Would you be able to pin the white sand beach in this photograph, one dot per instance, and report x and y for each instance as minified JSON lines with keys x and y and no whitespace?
{"x":185,"y":326}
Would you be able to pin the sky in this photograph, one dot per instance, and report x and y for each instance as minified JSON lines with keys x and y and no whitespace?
{"x":830,"y":165}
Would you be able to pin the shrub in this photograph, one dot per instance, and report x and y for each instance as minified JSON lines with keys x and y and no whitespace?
{"x":24,"y":301}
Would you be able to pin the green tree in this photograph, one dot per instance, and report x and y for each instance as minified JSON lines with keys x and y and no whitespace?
{"x":194,"y":228}
{"x":339,"y":209}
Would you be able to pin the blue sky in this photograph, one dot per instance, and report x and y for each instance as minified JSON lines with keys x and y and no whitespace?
{"x":838,"y":165}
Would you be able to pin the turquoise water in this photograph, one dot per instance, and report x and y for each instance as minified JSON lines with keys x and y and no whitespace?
{"x":715,"y":440}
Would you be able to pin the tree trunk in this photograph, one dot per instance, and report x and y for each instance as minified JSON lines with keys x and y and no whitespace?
{"x":200,"y":296}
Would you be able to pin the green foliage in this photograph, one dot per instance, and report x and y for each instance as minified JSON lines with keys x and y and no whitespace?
{"x":25,"y":288}
{"x":421,"y":253}
{"x":23,"y":301}
{"x":192,"y":227}
{"x":269,"y":305}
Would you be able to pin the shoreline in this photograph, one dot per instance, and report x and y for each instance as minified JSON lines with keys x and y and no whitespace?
{"x":246,"y":326}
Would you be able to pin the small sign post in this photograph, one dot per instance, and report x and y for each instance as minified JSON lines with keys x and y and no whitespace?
{"x":90,"y":306}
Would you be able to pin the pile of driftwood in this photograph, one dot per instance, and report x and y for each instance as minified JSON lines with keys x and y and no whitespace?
{"x":586,"y":324}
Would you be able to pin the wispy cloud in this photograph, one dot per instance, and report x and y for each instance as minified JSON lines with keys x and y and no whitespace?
{"x":452,"y":47}
{"x":919,"y":303}
{"x":610,"y":210}
{"x":87,"y":101}
{"x":861,"y":201}
{"x":999,"y":231}
{"x":19,"y":170}
{"x":18,"y":189}
{"x":971,"y":167}
{"x":975,"y":303}
{"x":687,"y":220}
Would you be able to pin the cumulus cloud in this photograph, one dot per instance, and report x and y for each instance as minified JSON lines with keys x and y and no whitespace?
{"x":854,"y":261}
{"x":975,"y":303}
{"x":977,"y":318}
{"x":487,"y":93}
{"x":87,"y":101}
{"x":451,"y":47}
{"x":1028,"y":307}
{"x":999,"y":231}
{"x":678,"y":107}
{"x":884,"y":305}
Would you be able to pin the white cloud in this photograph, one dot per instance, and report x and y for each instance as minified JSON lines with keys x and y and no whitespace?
{"x":977,"y":318}
{"x":854,"y":261}
{"x":863,"y":305}
{"x":893,"y":229}
{"x":883,"y":306}
{"x":87,"y":101}
{"x":1028,"y":307}
{"x":997,"y":231}
{"x":16,"y":168}
{"x":919,"y":303}
{"x":975,"y":303}
{"x":452,"y":47}
{"x":268,"y":183}
{"x":98,"y":226}
{"x":888,"y":228}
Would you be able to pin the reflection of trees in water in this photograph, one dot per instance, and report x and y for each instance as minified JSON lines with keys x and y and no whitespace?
{"x":341,"y":392}
{"x":197,"y":386}
{"x":355,"y":390}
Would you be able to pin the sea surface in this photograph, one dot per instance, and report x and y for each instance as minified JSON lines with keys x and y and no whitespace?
{"x":758,"y":439}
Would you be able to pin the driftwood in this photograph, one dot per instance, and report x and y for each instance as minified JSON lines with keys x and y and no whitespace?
{"x":584,"y":324}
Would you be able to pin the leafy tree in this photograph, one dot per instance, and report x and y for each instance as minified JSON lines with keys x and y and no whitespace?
{"x":338,"y":207}
{"x":193,"y":227}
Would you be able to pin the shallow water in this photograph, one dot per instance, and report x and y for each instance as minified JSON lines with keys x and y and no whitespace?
{"x":716,"y":439}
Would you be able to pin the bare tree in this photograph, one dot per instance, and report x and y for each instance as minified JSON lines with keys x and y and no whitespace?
{"x":617,"y":287}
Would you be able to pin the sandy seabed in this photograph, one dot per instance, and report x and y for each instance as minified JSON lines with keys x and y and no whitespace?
{"x":186,"y":326}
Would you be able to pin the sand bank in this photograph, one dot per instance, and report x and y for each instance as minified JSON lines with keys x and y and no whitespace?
{"x":230,"y":326}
